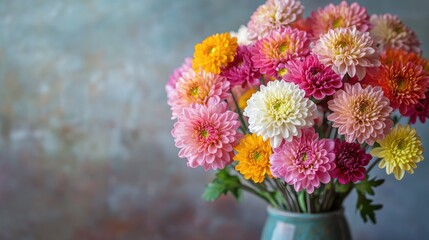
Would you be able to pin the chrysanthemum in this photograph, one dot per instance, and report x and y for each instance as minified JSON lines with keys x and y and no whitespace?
{"x":214,"y":53}
{"x":347,"y":51}
{"x":404,"y":84}
{"x":279,"y":46}
{"x":340,"y":16}
{"x":241,"y":71}
{"x":242,"y":100}
{"x":388,"y":31}
{"x":420,"y":110}
{"x":177,"y":73}
{"x":313,"y":77}
{"x":206,"y":135}
{"x":399,"y":151}
{"x":279,"y":111}
{"x":242,"y":36}
{"x":274,"y":14}
{"x":253,"y":156}
{"x":350,"y":161}
{"x":360,"y":114}
{"x":200,"y":88}
{"x":398,"y":55}
{"x":304,"y":162}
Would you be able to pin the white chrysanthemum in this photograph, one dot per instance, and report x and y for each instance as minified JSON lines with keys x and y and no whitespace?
{"x":347,"y":50}
{"x":242,"y":36}
{"x":279,"y":111}
{"x":388,"y":31}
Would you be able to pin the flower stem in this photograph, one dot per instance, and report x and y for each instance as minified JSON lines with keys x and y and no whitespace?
{"x":240,"y":114}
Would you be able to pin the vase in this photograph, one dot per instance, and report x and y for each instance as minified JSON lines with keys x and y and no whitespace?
{"x":283,"y":225}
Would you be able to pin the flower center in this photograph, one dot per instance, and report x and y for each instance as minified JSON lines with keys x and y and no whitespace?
{"x":194,"y":91}
{"x":343,"y":41}
{"x":304,"y":157}
{"x":211,"y":50}
{"x":255,"y":155}
{"x":280,"y":108}
{"x":337,"y":23}
{"x":206,"y":133}
{"x":362,"y":106}
{"x":282,"y":72}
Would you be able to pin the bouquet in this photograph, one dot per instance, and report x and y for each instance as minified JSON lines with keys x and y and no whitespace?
{"x":298,"y":111}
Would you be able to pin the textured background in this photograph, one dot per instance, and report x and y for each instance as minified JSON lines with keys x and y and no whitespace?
{"x":85,"y":145}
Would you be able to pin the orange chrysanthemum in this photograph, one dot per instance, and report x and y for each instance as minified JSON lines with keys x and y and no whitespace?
{"x":404,"y":83}
{"x":253,"y":156}
{"x":214,"y":53}
{"x":392,"y":55}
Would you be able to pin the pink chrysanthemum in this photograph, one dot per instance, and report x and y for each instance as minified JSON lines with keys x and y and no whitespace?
{"x":347,"y":50}
{"x":388,"y":31}
{"x":304,"y":162}
{"x":278,"y":47}
{"x":199,"y":88}
{"x":419,"y":110}
{"x":273,"y":15}
{"x":403,"y":83}
{"x":241,"y":70}
{"x":350,"y":161}
{"x":361,"y":114}
{"x":340,"y":16}
{"x":177,"y":73}
{"x":313,"y":77}
{"x":206,"y":135}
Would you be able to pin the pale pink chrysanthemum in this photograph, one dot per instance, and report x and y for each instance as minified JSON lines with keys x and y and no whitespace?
{"x":206,"y":135}
{"x":273,"y":15}
{"x":200,"y":88}
{"x":316,"y":79}
{"x":277,"y":47}
{"x":350,"y":162}
{"x":241,"y":71}
{"x":340,"y":16}
{"x":304,"y":162}
{"x":177,"y":73}
{"x":361,"y":114}
{"x":388,"y":31}
{"x":348,"y":51}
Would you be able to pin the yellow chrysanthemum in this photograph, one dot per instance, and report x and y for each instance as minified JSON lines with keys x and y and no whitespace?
{"x":253,"y":156}
{"x":214,"y":52}
{"x":399,"y":151}
{"x":242,"y":101}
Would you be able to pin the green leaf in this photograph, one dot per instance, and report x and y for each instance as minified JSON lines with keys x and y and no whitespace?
{"x":366,"y":186}
{"x":223,"y":183}
{"x":367,"y":208}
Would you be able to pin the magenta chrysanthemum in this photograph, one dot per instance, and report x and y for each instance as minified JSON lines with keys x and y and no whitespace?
{"x":278,"y":47}
{"x":273,"y":15}
{"x":361,"y":114}
{"x":313,"y":77}
{"x":420,"y":110}
{"x":177,"y":73}
{"x":206,"y":135}
{"x":304,"y":162}
{"x":350,"y":162}
{"x":347,"y":50}
{"x":340,"y":16}
{"x":241,"y":70}
{"x":388,"y":31}
{"x":200,"y":88}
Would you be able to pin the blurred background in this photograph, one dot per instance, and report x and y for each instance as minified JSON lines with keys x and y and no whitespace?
{"x":85,"y":145}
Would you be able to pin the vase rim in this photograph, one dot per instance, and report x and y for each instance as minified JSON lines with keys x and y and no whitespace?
{"x":285,"y":213}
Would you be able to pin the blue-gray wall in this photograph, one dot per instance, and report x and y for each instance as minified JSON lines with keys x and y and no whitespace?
{"x":85,"y":145}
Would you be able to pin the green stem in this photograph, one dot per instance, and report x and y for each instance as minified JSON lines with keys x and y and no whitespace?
{"x":372,"y":165}
{"x":259,"y":194}
{"x":240,"y":114}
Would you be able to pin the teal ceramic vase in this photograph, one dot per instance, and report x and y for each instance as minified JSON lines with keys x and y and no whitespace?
{"x":282,"y":225}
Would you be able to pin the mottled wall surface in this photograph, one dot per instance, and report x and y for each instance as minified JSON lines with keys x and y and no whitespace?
{"x":85,"y":145}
